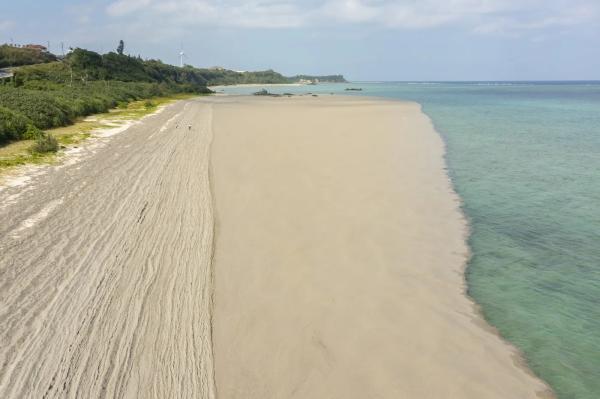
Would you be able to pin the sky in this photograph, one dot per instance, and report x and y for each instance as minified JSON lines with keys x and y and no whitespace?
{"x":373,"y":40}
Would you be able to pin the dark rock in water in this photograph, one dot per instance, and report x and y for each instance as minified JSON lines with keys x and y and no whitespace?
{"x":264,"y":92}
{"x":314,"y":95}
{"x":353,"y":89}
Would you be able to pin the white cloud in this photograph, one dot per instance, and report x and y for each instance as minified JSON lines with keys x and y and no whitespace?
{"x":6,"y":25}
{"x":515,"y":25}
{"x":480,"y":16}
{"x":124,"y":7}
{"x":350,"y":11}
{"x":246,"y":14}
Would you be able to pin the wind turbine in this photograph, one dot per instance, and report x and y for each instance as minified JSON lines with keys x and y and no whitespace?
{"x":181,"y":55}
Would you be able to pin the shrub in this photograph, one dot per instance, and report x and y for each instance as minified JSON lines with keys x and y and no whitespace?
{"x":45,"y":143}
{"x":32,"y":132}
{"x":42,"y":108}
{"x":12,"y":125}
{"x":56,"y":93}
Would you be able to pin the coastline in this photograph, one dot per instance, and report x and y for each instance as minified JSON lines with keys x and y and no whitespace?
{"x":338,"y":260}
{"x":253,"y":299}
{"x":519,"y":357}
{"x":259,"y":85}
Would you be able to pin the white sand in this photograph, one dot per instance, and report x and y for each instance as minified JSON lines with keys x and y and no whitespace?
{"x":105,"y":268}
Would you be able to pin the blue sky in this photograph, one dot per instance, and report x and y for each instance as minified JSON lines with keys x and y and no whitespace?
{"x":363,"y":39}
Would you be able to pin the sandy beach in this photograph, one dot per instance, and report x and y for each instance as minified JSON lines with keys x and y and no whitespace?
{"x":339,"y":258}
{"x":245,"y":247}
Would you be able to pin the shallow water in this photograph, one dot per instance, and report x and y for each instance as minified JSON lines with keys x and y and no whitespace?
{"x":525,"y":158}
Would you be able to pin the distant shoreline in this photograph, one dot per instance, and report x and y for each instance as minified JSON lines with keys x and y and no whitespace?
{"x":258,"y":85}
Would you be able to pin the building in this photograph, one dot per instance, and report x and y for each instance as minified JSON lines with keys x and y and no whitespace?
{"x":36,"y":47}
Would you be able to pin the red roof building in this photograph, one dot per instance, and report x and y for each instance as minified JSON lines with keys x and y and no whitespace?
{"x":37,"y":47}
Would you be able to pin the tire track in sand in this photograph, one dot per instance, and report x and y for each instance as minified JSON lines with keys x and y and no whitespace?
{"x":109,"y":294}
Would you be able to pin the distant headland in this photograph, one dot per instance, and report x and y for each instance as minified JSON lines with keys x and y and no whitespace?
{"x":40,"y":90}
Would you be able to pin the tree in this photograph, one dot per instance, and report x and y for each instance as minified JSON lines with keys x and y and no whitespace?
{"x":121,"y":47}
{"x":85,"y":63}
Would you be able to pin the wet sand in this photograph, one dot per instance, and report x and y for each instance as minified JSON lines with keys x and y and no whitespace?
{"x":339,"y":258}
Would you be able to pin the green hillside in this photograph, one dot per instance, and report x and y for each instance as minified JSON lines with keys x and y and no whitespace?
{"x":218,"y":77}
{"x":47,"y":92}
{"x":56,"y":93}
{"x":17,"y":56}
{"x":325,"y":78}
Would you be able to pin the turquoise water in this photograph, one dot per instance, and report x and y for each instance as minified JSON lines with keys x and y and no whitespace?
{"x":525,"y":158}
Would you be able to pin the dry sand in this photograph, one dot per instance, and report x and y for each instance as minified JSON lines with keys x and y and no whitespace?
{"x":105,"y":268}
{"x":338,"y":262}
{"x":339,"y":259}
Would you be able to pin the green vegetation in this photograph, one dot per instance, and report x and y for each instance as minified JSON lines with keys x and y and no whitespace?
{"x":23,"y":157}
{"x":55,"y":94}
{"x":325,"y":78}
{"x":83,"y":66}
{"x":45,"y":143}
{"x":46,"y":105}
{"x":17,"y":56}
{"x":120,"y":47}
{"x":219,"y":77}
{"x":13,"y":125}
{"x":46,"y":93}
{"x":223,"y":77}
{"x":20,"y":152}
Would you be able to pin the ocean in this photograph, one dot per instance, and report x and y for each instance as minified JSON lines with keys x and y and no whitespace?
{"x":525,"y":158}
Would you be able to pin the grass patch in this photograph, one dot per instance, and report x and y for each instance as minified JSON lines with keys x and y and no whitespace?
{"x":44,"y":144}
{"x":19,"y":153}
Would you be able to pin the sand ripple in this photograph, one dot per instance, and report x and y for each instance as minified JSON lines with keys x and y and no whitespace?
{"x":105,"y":272}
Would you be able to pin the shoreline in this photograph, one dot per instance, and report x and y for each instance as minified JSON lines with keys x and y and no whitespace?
{"x":259,"y":85}
{"x":520,"y":357}
{"x":239,"y":360}
{"x":337,"y":267}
